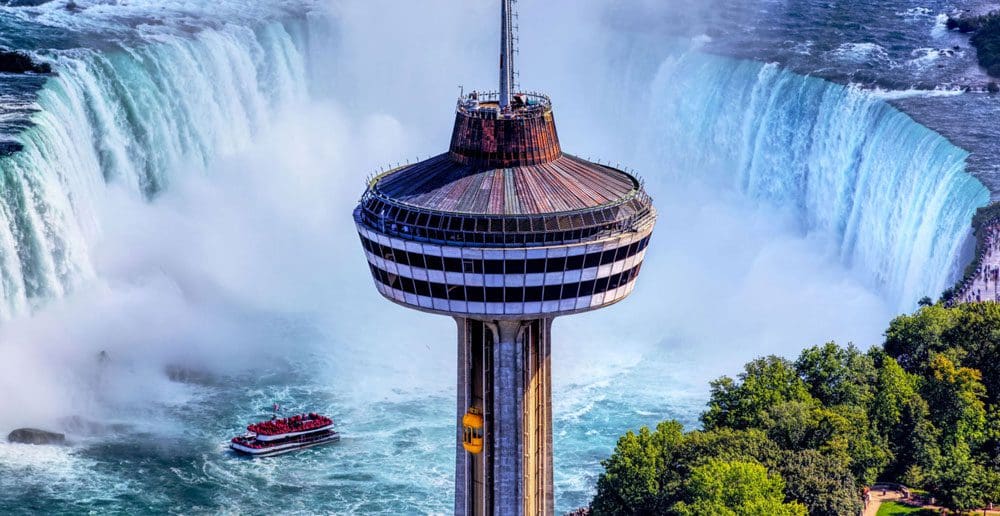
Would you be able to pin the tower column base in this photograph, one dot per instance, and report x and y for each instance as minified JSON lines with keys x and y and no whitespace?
{"x":504,"y":370}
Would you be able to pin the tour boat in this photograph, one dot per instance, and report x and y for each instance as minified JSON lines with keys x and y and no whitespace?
{"x":278,"y":436}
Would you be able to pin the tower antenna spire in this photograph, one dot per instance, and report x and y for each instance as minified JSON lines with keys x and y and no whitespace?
{"x":506,"y":53}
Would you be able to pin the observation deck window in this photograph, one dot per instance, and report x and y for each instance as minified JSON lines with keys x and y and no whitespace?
{"x":434,"y":262}
{"x":493,"y":267}
{"x":555,"y":264}
{"x":495,"y":295}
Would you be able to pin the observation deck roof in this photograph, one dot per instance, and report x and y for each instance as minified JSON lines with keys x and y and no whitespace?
{"x":505,"y":182}
{"x":565,"y":184}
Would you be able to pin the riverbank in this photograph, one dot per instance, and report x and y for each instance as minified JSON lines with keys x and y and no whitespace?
{"x":985,"y":30}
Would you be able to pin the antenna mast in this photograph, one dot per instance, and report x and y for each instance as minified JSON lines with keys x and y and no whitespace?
{"x":506,"y":53}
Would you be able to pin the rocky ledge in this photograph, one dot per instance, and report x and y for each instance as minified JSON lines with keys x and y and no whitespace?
{"x":16,"y":62}
{"x":985,"y":30}
{"x":35,"y":436}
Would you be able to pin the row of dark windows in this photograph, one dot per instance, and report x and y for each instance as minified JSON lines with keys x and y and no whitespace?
{"x":379,"y":210}
{"x":505,"y":239}
{"x":505,"y":294}
{"x":523,"y":266}
{"x":412,"y":224}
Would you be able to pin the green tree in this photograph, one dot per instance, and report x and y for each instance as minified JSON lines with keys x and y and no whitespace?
{"x":894,"y":390}
{"x":911,"y":339}
{"x":955,"y":395}
{"x":960,"y":481}
{"x":836,"y":375}
{"x":724,"y":444}
{"x":631,"y":482}
{"x":797,"y":425}
{"x":923,"y":457}
{"x":764,"y":383}
{"x":823,"y":483}
{"x":735,"y":488}
{"x":977,"y":333}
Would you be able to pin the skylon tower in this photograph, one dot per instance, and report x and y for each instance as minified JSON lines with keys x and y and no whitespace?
{"x":504,"y":233}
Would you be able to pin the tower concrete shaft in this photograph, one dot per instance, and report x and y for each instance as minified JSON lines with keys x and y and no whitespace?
{"x":504,"y":367}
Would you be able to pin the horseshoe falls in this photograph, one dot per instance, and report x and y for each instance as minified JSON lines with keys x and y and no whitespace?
{"x":894,"y":196}
{"x":131,"y":117}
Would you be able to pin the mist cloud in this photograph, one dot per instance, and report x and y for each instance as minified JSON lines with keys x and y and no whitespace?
{"x":203,"y":275}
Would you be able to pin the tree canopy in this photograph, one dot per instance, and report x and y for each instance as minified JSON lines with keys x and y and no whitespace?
{"x":804,"y":436}
{"x":735,"y":488}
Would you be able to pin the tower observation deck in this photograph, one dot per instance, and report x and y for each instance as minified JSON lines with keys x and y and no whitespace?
{"x":504,"y":233}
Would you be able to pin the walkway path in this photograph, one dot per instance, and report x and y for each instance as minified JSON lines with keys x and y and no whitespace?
{"x":878,"y":498}
{"x":985,"y":284}
{"x":890,"y":495}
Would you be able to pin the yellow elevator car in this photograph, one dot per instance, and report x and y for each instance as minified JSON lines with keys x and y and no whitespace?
{"x":472,"y":435}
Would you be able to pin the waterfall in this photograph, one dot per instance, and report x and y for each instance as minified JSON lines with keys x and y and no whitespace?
{"x":130,"y":117}
{"x":893,"y":195}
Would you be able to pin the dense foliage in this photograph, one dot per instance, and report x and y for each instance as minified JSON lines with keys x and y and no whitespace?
{"x":787,"y":437}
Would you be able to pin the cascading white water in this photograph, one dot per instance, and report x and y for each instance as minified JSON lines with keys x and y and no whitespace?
{"x":127,"y":117}
{"x":894,"y":195}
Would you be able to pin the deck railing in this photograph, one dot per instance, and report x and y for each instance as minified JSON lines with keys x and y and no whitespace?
{"x":487,"y":105}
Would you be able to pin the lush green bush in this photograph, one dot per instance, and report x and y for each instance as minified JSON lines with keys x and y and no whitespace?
{"x":923,"y":410}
